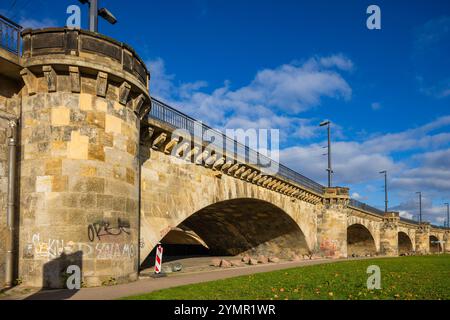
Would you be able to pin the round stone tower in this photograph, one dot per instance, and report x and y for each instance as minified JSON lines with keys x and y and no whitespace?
{"x":82,"y":103}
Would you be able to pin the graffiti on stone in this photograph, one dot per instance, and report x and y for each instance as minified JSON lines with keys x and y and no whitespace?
{"x":104,"y":228}
{"x":53,"y":248}
{"x":329,"y":247}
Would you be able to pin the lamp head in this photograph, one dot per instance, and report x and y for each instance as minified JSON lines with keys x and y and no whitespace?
{"x":324,"y":123}
{"x":107,"y":15}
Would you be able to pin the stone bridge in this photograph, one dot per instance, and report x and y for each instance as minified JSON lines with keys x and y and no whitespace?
{"x":237,"y":209}
{"x":94,"y":172}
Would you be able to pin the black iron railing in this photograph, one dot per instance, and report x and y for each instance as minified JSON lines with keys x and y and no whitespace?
{"x":361,"y":205}
{"x":10,"y":35}
{"x":179,"y":120}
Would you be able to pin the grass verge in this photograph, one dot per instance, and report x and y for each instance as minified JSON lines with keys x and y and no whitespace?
{"x":415,"y":277}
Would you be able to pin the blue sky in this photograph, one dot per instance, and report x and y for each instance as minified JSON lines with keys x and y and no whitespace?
{"x":290,"y":64}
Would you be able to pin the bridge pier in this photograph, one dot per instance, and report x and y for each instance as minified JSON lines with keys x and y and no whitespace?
{"x":332,"y":224}
{"x":389,"y":244}
{"x":423,"y":238}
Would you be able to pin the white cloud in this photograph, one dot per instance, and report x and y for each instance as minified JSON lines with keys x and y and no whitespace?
{"x":406,"y":214}
{"x":273,"y":99}
{"x":375,"y":106}
{"x":356,"y":196}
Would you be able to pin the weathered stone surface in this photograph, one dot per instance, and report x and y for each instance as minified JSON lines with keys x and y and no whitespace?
{"x":274,"y":259}
{"x":225,"y":263}
{"x":215,"y":262}
{"x":253,"y":262}
{"x":236,"y":263}
{"x":263,"y":259}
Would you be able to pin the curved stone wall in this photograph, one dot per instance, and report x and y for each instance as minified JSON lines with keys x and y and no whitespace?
{"x":79,"y":170}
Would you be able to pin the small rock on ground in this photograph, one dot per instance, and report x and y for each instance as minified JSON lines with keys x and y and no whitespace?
{"x":225,"y":264}
{"x":274,"y":259}
{"x":263,"y":259}
{"x":236,"y":263}
{"x":215,"y":262}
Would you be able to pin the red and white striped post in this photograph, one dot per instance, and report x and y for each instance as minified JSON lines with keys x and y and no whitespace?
{"x":158,"y":260}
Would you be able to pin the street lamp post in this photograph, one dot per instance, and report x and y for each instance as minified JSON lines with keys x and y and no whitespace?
{"x":94,"y":13}
{"x":420,"y":206}
{"x":448,"y":214}
{"x":385,"y":191}
{"x":329,"y":169}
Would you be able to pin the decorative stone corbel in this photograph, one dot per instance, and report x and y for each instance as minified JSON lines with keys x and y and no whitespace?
{"x":191,"y":153}
{"x":233,"y":168}
{"x":102,"y":84}
{"x":171,"y":144}
{"x":124,"y":91}
{"x":239,"y":171}
{"x":265,"y":182}
{"x":257,"y":178}
{"x":75,"y":83}
{"x":158,"y":142}
{"x":30,"y":81}
{"x":182,"y":149}
{"x":227,"y":165}
{"x":144,"y":111}
{"x":210,"y":160}
{"x":201,"y":157}
{"x":218,"y":164}
{"x":252,"y":175}
{"x":246,"y":173}
{"x":50,"y":77}
{"x":261,"y":180}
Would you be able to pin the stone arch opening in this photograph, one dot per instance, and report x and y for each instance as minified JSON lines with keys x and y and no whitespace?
{"x":360,"y":241}
{"x":404,"y":244}
{"x":238,"y":227}
{"x":435,"y":246}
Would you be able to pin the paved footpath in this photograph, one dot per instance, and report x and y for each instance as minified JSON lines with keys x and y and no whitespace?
{"x":145,"y":285}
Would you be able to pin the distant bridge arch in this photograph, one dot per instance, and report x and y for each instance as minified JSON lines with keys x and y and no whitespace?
{"x":405,"y":244}
{"x":360,"y":241}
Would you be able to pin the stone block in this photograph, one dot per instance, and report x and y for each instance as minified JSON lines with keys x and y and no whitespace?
{"x":85,"y":102}
{"x":78,"y":146}
{"x":113,"y":124}
{"x":60,"y":116}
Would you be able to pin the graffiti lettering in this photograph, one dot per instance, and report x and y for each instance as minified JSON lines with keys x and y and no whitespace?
{"x":103,"y":228}
{"x":53,"y":248}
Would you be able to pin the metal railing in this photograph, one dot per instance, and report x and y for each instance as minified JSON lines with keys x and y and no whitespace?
{"x":363,"y":206}
{"x":179,"y":120}
{"x":409,"y":220}
{"x":10,"y":35}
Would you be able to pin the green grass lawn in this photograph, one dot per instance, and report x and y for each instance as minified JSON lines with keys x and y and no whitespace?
{"x":416,"y":277}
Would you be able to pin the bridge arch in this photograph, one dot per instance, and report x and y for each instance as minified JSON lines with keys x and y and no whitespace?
{"x":246,"y":225}
{"x":405,"y":244}
{"x":435,"y":246}
{"x":360,"y":241}
{"x":178,"y":194}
